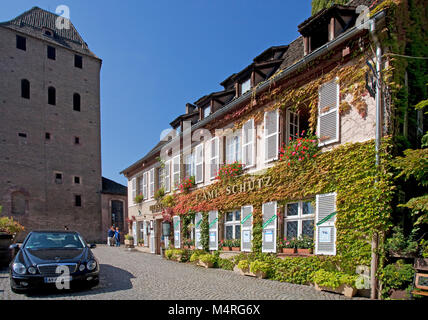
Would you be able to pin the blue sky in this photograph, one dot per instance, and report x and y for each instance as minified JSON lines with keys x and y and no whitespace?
{"x":158,"y":55}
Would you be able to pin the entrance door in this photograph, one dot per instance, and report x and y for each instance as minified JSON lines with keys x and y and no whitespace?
{"x":117,"y":214}
{"x":152,"y":237}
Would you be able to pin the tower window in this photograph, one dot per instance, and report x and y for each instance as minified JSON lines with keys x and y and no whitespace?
{"x":78,"y":61}
{"x":51,"y":53}
{"x":76,"y":140}
{"x":58,"y":177}
{"x":78,"y":200}
{"x":21,"y":43}
{"x":25,"y":89}
{"x":22,"y":135}
{"x":77,"y":180}
{"x":76,"y":102}
{"x":47,"y":136}
{"x":52,"y":96}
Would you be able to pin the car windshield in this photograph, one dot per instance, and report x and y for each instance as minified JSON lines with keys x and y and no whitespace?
{"x":54,"y":240}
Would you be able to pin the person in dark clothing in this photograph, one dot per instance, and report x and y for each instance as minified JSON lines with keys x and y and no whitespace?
{"x":110,"y":236}
{"x":117,"y":237}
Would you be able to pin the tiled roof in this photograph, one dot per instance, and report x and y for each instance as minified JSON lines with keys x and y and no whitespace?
{"x":33,"y":21}
{"x":293,"y":54}
{"x":111,"y":187}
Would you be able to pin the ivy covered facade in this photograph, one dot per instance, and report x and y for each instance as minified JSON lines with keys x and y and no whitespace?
{"x":287,"y":150}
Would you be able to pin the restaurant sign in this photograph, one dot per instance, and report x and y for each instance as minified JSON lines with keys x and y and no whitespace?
{"x":156,"y":208}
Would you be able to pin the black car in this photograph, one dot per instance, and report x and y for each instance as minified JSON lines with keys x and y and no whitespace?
{"x":58,"y":259}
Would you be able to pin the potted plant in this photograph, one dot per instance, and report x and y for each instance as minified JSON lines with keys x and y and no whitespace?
{"x":189,"y":244}
{"x":139,"y":198}
{"x":186,"y":184}
{"x":259,"y":268}
{"x":229,"y":171}
{"x":141,"y":242}
{"x":287,"y":246}
{"x":129,"y":241}
{"x":335,"y":281}
{"x":243,"y":267}
{"x":206,"y":260}
{"x":224,"y":245}
{"x":8,"y":231}
{"x":236,"y":245}
{"x":305,"y":245}
{"x":159,"y":194}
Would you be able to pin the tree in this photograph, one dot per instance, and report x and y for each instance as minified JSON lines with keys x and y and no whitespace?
{"x":318,"y":5}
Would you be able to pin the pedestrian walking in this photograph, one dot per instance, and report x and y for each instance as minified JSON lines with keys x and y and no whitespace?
{"x":117,"y":237}
{"x":110,"y":236}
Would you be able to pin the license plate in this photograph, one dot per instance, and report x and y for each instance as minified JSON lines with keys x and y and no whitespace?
{"x":59,"y":279}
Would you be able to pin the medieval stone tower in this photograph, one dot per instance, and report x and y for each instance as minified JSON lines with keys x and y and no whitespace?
{"x":50,"y":145}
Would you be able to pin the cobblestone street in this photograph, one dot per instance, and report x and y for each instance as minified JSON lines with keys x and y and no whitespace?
{"x":136,"y":275}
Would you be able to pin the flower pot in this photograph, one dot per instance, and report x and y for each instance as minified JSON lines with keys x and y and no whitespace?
{"x":205,"y":264}
{"x":226,"y":248}
{"x":289,"y":250}
{"x":236,"y":249}
{"x":261,"y":274}
{"x":129,"y":243}
{"x":304,"y":251}
{"x":344,"y":289}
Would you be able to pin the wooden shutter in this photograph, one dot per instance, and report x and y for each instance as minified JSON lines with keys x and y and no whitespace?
{"x":145,"y":195}
{"x":213,"y":230}
{"x":271,"y":135}
{"x":198,"y":221}
{"x":325,"y":234}
{"x":199,"y":154}
{"x":269,"y":227}
{"x":246,"y":228}
{"x":215,"y":157}
{"x":176,"y":228}
{"x":248,"y":145}
{"x":176,"y":171}
{"x":167,"y":176}
{"x":152,"y":182}
{"x":134,"y":188}
{"x":328,"y":113}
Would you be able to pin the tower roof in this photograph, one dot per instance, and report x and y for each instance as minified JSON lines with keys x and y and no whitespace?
{"x":36,"y":20}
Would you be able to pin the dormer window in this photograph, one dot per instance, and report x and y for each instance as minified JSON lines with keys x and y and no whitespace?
{"x":207,"y":111}
{"x":47,"y":32}
{"x":245,"y":86}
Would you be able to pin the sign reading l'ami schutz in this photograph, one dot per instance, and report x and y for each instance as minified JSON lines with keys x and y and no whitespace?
{"x":246,"y":186}
{"x":156,"y":208}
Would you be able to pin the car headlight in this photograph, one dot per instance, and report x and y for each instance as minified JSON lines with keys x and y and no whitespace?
{"x":82,"y":267}
{"x":91,"y":265}
{"x":19,"y":268}
{"x":32,"y":270}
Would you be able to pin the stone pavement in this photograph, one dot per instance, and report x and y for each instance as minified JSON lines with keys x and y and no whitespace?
{"x":136,"y":275}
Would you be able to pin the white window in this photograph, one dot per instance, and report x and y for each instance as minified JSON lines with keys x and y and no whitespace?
{"x":328,"y":112}
{"x":245,"y":86}
{"x":176,"y":171}
{"x":167,"y":176}
{"x":292,"y":126}
{"x":134,"y":188}
{"x":325,"y":240}
{"x":299,"y":220}
{"x":233,"y":149}
{"x":215,"y":157}
{"x":207,"y":111}
{"x":189,"y":165}
{"x":248,"y":144}
{"x":144,"y":188}
{"x":152,"y":182}
{"x":140,"y":185}
{"x":161,"y":177}
{"x":271,"y":135}
{"x":232,"y":225}
{"x":199,"y":163}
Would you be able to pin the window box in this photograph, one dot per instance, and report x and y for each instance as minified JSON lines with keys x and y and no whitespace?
{"x":289,"y":250}
{"x":236,"y":248}
{"x":227,"y":249}
{"x":304,"y":251}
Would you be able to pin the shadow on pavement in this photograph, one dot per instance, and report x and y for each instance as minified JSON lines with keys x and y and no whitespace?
{"x":111,"y":279}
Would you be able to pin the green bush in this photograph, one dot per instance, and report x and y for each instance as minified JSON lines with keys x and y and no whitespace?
{"x":195,"y":255}
{"x":259,"y":266}
{"x":207,"y":258}
{"x":169,"y":253}
{"x":397,"y":276}
{"x":243,"y":264}
{"x":225,"y":264}
{"x":399,"y":244}
{"x":333,"y":279}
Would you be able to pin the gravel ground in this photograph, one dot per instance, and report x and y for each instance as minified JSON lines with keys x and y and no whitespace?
{"x":141,"y":276}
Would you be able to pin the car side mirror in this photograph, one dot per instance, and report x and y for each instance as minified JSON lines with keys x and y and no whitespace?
{"x":14,"y":247}
{"x":92,"y":245}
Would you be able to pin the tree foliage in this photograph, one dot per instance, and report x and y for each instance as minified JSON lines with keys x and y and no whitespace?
{"x":318,"y":5}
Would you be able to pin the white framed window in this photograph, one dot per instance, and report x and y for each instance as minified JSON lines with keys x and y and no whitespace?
{"x":215,"y":157}
{"x":133,"y":188}
{"x":271,"y":134}
{"x":328,"y":112}
{"x":299,"y":219}
{"x":248,"y":144}
{"x":292,"y":123}
{"x":233,"y":149}
{"x":152,"y":182}
{"x":167,"y":182}
{"x":144,"y":187}
{"x":245,"y":86}
{"x":199,"y":163}
{"x":161,"y":177}
{"x":207,"y":111}
{"x":176,"y":171}
{"x":189,"y":165}
{"x":232,"y":225}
